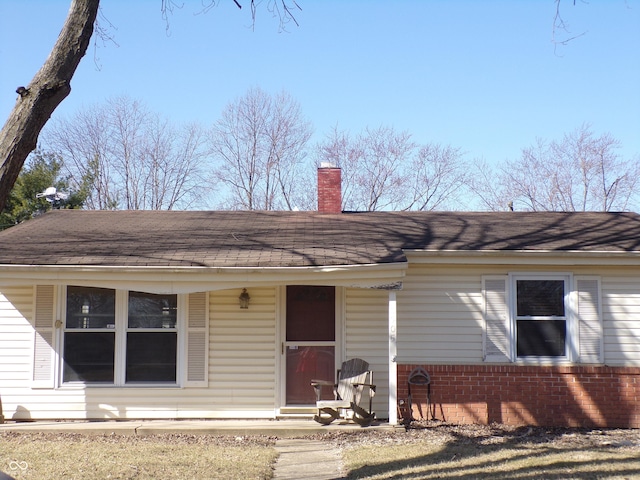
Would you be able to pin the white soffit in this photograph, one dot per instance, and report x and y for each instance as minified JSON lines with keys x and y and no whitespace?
{"x":198,"y":279}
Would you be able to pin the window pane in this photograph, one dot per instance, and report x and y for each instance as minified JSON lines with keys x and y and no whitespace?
{"x":151,"y":357}
{"x":147,"y":310}
{"x":541,"y":338}
{"x":305,"y":364}
{"x":89,"y":307}
{"x":311,"y":313}
{"x":88,"y":357}
{"x":540,"y":298}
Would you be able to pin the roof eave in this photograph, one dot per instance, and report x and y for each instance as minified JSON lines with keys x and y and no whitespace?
{"x":156,"y":279}
{"x":525,"y":257}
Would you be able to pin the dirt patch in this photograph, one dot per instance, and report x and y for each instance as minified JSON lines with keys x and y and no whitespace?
{"x":456,"y":452}
{"x":439,"y":433}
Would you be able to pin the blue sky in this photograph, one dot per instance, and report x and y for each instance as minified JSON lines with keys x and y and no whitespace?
{"x":482,"y":76}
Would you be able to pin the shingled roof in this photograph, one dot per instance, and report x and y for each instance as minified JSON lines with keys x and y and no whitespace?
{"x":298,"y":239}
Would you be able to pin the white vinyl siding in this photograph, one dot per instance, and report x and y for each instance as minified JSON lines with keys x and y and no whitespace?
{"x":16,"y":340}
{"x":366,"y":337}
{"x":621,"y":319}
{"x":440,"y":316}
{"x":240,"y":368}
{"x":242,"y":351}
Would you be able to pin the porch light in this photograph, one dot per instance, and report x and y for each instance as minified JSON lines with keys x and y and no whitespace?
{"x":244,"y":299}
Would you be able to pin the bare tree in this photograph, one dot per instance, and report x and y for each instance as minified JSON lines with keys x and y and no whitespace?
{"x":136,"y":159}
{"x":372,"y":166}
{"x":259,"y":144}
{"x":579,"y":172}
{"x":385,"y":169}
{"x":379,"y":172}
{"x":175,"y":165}
{"x":601,"y":179}
{"x":85,"y":144}
{"x":561,"y":33}
{"x":37,"y":101}
{"x":51,"y":85}
{"x":437,"y":177}
{"x":485,"y":188}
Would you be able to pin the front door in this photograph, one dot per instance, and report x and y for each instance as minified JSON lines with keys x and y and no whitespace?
{"x":310,"y":341}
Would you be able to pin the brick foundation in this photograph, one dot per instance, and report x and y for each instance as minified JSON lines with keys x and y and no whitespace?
{"x":579,"y":396}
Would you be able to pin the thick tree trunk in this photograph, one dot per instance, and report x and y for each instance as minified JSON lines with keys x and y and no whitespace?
{"x":46,"y":91}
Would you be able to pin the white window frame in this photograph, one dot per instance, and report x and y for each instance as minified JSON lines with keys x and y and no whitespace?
{"x":121,"y":330}
{"x":569,"y":317}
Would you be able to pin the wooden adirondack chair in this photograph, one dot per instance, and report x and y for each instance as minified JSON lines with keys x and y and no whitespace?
{"x":353,"y":376}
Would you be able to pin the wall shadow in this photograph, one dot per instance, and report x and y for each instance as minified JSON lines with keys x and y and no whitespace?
{"x":523,"y":453}
{"x":571,"y":396}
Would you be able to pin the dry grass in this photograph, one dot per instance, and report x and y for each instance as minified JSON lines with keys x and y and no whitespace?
{"x":425,"y":452}
{"x":74,"y":456}
{"x":495,"y":453}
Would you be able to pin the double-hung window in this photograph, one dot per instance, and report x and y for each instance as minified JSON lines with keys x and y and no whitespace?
{"x":90,"y":335}
{"x":119,"y":337}
{"x":540,"y":317}
{"x":541,"y":307}
{"x":152,"y":338}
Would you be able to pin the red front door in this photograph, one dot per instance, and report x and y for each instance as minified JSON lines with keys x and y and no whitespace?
{"x":310,"y":341}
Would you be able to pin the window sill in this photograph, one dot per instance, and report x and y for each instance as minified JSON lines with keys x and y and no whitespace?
{"x":544,"y":362}
{"x":84,"y":386}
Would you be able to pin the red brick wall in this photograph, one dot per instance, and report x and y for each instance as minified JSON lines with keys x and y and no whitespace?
{"x":579,"y":396}
{"x":329,"y":190}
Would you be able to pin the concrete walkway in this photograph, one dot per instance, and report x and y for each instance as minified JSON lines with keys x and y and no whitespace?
{"x":295,"y":428}
{"x":308,"y":460}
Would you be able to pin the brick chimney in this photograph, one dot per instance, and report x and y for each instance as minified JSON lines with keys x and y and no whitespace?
{"x":329,"y":188}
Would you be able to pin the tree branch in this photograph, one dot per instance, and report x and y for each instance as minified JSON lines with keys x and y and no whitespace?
{"x":46,"y":91}
{"x":559,"y":24}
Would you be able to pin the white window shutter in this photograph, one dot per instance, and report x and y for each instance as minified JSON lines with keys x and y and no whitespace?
{"x":43,"y":348}
{"x":590,"y":334}
{"x":497,"y":330}
{"x":197,"y":340}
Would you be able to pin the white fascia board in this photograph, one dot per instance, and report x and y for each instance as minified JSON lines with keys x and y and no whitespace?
{"x":523,"y":257}
{"x":198,"y":279}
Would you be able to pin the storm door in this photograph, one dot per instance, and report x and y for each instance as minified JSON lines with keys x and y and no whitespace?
{"x":310,"y":341}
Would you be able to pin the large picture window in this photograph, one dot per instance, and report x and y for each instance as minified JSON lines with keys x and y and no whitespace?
{"x":540,"y":316}
{"x":119,"y":337}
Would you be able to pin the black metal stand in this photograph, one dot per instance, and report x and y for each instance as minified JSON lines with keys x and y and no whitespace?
{"x":419,"y":376}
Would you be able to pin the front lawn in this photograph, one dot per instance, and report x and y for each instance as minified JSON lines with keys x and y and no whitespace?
{"x":476,"y":452}
{"x":76,"y":456}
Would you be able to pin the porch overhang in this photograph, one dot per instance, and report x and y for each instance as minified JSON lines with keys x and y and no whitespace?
{"x":170,"y":280}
